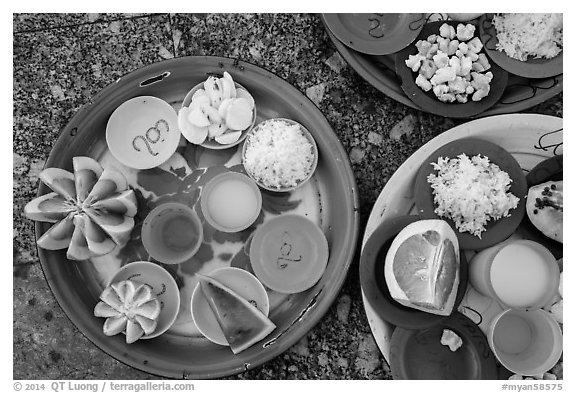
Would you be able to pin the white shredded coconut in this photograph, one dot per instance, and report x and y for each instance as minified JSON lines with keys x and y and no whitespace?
{"x":451,"y":340}
{"x":471,"y":192}
{"x":523,"y":35}
{"x":278,"y":154}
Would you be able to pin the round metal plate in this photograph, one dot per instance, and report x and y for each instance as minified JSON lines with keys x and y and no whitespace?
{"x":334,"y":206}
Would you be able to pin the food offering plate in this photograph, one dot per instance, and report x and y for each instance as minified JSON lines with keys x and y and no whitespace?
{"x":531,"y":68}
{"x":520,"y":93}
{"x":329,"y":199}
{"x":530,"y":138}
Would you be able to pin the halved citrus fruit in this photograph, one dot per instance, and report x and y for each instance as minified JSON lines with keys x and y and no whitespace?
{"x":242,"y":323}
{"x":93,"y":209}
{"x":128,"y":307}
{"x":422,"y":267}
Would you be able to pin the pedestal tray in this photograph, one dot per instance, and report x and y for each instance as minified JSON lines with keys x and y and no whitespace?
{"x":530,"y":138}
{"x":379,"y":70}
{"x":329,"y":199}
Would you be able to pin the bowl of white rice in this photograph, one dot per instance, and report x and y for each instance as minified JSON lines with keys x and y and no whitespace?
{"x":280,"y":154}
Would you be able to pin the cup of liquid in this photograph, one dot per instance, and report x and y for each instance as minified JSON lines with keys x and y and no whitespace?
{"x":519,"y":274}
{"x":528,"y":343}
{"x":172,"y":233}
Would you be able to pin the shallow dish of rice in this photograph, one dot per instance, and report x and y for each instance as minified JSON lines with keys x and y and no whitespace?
{"x":477,"y":187}
{"x":523,"y":35}
{"x":280,"y":154}
{"x":471,"y":191}
{"x":527,"y":45}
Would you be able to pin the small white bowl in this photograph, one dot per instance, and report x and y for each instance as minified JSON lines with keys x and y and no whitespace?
{"x":231,"y":196}
{"x":306,"y":134}
{"x":210,"y":143}
{"x":240,"y":281}
{"x":163,"y":286}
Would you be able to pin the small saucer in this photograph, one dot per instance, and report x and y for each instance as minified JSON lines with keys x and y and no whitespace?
{"x":289,"y":253}
{"x":163,"y":286}
{"x":143,"y":132}
{"x":240,"y":281}
{"x":375,"y":34}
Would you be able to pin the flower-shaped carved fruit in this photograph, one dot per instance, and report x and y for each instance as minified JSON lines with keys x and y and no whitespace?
{"x":92,"y":208}
{"x":128,"y":307}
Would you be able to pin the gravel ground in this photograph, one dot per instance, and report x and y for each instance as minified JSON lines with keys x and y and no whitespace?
{"x":62,"y":60}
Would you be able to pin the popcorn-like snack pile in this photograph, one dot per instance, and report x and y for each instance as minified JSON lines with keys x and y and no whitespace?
{"x":451,"y":65}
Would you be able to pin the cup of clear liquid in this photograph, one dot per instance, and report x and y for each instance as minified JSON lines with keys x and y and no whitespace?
{"x":172,"y":233}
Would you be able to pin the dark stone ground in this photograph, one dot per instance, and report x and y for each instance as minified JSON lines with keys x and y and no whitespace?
{"x":62,"y":60}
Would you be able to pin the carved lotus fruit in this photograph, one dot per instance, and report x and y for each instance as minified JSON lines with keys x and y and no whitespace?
{"x":92,"y":208}
{"x":128,"y":307}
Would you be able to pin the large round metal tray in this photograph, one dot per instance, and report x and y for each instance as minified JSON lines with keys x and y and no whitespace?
{"x":379,"y":71}
{"x":329,"y":199}
{"x":530,"y":138}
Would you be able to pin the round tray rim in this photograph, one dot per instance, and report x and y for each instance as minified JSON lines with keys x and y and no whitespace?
{"x":156,"y":72}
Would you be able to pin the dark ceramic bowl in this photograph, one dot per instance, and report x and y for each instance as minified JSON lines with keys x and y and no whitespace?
{"x":496,"y":230}
{"x":374,"y":283}
{"x":428,"y":101}
{"x":418,"y":353}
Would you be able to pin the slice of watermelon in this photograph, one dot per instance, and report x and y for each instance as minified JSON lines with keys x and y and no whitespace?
{"x":99,"y":243}
{"x":117,"y":226}
{"x":50,"y":207}
{"x":111,"y":181}
{"x":86,"y":173}
{"x":243,"y":324}
{"x":78,"y":248}
{"x":123,"y":203}
{"x":60,"y":181}
{"x":59,"y":235}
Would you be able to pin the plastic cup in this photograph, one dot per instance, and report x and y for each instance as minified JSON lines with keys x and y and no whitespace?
{"x":481,"y":309}
{"x":231,"y":202}
{"x":172,"y":233}
{"x":163,"y":286}
{"x":519,"y":274}
{"x":528,"y":343}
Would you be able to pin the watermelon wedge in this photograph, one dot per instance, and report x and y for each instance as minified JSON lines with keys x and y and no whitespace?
{"x":243,"y":324}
